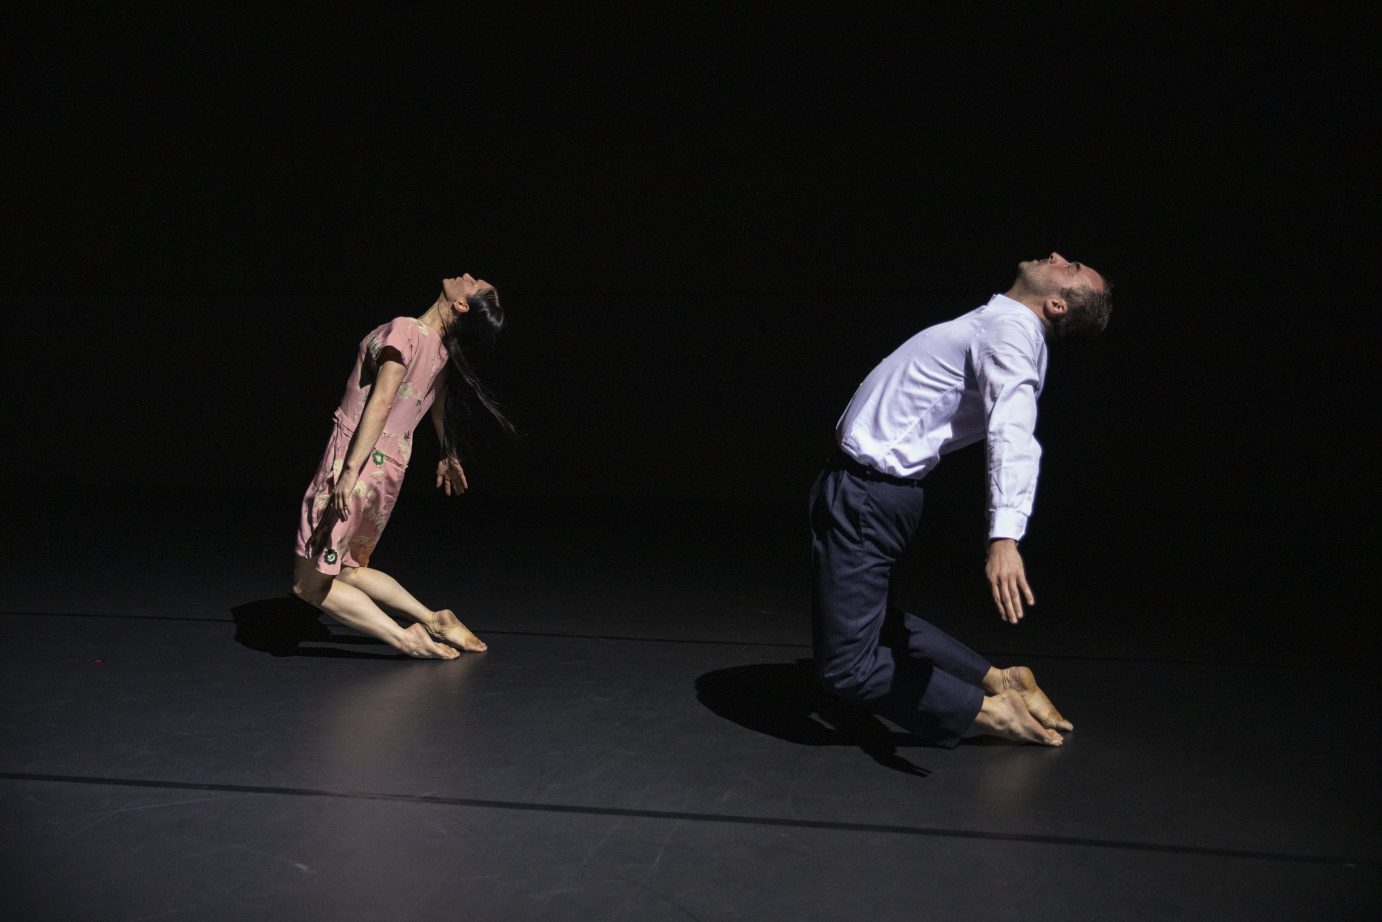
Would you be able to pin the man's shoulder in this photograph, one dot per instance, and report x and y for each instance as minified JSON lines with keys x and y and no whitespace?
{"x":1006,"y":321}
{"x":1000,"y":322}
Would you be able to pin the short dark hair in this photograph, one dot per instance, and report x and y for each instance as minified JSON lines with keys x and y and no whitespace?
{"x":1088,"y":312}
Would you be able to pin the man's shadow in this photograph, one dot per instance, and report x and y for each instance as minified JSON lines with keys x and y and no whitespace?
{"x":279,"y":626}
{"x":784,"y":700}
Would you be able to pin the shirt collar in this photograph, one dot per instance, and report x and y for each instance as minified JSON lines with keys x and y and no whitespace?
{"x":1007,"y":303}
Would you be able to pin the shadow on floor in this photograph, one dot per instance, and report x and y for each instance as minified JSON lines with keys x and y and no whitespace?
{"x":278,"y":627}
{"x":783,"y":700}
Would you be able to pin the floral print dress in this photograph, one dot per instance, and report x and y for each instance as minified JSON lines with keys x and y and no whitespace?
{"x":323,"y":537}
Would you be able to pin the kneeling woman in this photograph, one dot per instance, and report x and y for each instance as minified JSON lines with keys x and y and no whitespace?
{"x":403,"y":369}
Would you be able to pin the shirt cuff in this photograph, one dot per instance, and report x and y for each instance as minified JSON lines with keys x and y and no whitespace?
{"x":1008,"y":523}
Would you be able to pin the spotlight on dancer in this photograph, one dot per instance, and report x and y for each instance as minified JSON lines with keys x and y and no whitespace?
{"x":404,"y":370}
{"x":975,"y":377}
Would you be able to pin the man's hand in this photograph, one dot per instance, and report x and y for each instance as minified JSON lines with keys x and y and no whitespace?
{"x":340,"y":494}
{"x":450,"y":475}
{"x":1007,"y":579}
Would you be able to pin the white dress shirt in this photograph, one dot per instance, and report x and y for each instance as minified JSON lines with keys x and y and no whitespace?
{"x":977,"y":376}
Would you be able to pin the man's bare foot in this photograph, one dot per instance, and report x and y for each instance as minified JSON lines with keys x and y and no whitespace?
{"x":1005,"y":715}
{"x":417,"y":642}
{"x":1021,"y":680}
{"x":447,"y":629}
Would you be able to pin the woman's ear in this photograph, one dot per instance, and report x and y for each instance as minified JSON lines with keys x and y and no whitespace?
{"x":460,"y":306}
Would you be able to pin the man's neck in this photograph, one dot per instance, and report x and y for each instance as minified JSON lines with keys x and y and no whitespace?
{"x":1024,"y":296}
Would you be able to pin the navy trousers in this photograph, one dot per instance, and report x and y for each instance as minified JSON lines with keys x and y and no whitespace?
{"x":893,"y":664}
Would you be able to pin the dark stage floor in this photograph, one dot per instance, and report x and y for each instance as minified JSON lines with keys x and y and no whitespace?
{"x":642,"y":742}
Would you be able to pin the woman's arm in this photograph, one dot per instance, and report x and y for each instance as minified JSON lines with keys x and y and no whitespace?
{"x":386,"y":382}
{"x":439,"y":417}
{"x":449,"y":472}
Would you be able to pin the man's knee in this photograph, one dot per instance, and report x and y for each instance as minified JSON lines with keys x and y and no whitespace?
{"x":847,"y":682}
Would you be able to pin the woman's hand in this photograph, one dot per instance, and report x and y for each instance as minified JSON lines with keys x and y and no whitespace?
{"x":340,"y":494}
{"x":450,"y":475}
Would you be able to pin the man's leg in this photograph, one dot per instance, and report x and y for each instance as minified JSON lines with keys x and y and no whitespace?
{"x":919,"y":639}
{"x":859,"y":528}
{"x":1004,"y":711}
{"x":1005,"y":714}
{"x":1020,"y":679}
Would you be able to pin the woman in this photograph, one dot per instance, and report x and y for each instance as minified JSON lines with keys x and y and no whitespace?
{"x":403,"y":369}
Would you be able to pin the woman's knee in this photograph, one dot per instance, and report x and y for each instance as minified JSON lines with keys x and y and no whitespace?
{"x":311,"y":585}
{"x":312,"y":595}
{"x":352,"y":576}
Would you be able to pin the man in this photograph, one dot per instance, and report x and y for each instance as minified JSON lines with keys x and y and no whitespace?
{"x":975,"y":377}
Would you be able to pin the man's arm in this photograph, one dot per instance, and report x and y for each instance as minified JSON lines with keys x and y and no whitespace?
{"x":1006,"y":364}
{"x":1007,"y":577}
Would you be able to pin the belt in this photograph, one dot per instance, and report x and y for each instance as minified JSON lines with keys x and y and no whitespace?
{"x":843,"y":462}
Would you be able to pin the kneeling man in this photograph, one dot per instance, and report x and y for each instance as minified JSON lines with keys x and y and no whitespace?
{"x":975,"y":377}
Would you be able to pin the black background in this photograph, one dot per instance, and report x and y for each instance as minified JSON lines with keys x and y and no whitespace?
{"x":707,"y":224}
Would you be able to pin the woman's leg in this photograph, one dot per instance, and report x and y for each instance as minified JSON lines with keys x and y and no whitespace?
{"x":354,"y":608}
{"x":386,"y":591}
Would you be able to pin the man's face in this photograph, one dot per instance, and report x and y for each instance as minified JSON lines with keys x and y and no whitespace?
{"x":462,"y":287}
{"x":1048,"y":276}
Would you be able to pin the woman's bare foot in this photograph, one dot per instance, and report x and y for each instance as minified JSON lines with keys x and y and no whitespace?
{"x":417,"y":642}
{"x":1021,"y":680}
{"x":447,"y":629}
{"x":1005,"y":715}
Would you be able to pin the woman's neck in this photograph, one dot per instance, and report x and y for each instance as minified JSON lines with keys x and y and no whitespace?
{"x":436,"y":316}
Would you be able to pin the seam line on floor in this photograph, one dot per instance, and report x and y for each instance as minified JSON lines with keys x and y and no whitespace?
{"x":703,"y":818}
{"x":717,"y":643}
{"x":482,"y":630}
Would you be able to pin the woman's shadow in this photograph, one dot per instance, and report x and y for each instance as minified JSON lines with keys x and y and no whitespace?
{"x":280,"y":626}
{"x":785,"y":701}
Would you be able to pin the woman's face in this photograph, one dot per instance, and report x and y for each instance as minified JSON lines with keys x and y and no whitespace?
{"x":462,"y":287}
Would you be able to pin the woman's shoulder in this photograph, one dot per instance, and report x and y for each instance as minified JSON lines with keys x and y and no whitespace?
{"x":410,"y":325}
{"x":413,"y":328}
{"x":402,"y":333}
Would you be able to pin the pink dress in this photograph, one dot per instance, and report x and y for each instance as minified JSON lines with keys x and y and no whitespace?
{"x":322,"y":537}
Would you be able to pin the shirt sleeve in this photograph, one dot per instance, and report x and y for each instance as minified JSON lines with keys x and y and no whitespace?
{"x":1006,"y":364}
{"x":401,"y":334}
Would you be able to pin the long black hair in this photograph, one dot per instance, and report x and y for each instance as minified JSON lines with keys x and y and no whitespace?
{"x":468,"y":402}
